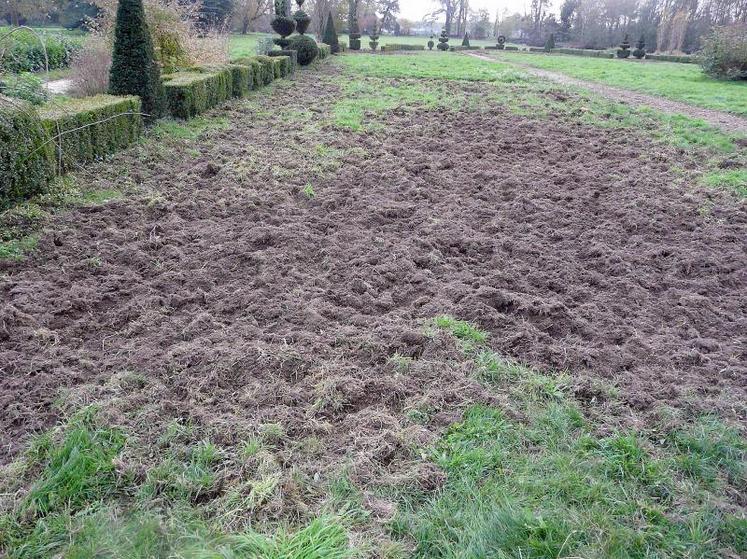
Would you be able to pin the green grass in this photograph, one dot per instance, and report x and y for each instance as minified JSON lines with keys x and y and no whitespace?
{"x":679,"y":82}
{"x":549,"y":485}
{"x":735,"y":179}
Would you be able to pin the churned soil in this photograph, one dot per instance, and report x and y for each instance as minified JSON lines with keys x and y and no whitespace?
{"x":238,"y":300}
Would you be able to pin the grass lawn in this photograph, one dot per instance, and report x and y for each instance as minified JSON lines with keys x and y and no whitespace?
{"x":679,"y":82}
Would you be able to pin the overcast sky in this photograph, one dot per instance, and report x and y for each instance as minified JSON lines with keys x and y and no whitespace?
{"x":416,"y":9}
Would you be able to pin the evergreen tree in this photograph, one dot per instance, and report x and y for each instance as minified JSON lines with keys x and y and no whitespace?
{"x":134,"y":70}
{"x":465,"y":41}
{"x":330,"y":35}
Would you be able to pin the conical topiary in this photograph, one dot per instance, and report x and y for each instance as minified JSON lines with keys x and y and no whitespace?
{"x":640,"y":48}
{"x":134,"y":70}
{"x":373,"y":35}
{"x":330,"y":35}
{"x":355,"y":33}
{"x":443,"y":40}
{"x":624,"y":50}
{"x":430,"y":43}
{"x":465,"y":41}
{"x":302,"y":18}
{"x":550,"y":43}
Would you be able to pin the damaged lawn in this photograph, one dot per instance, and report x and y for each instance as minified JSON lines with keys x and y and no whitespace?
{"x":455,"y":313}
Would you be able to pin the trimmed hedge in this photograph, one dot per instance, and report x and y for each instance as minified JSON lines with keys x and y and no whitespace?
{"x":242,"y":80}
{"x":395,"y":46}
{"x":292,"y":57}
{"x":92,"y":127}
{"x":456,"y":48}
{"x":22,"y":51}
{"x":324,"y":51}
{"x":683,"y":59}
{"x":507,"y":47}
{"x":191,"y":93}
{"x":585,"y":52}
{"x":268,"y":68}
{"x":26,"y":155}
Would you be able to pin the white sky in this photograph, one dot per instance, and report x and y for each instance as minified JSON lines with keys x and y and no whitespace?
{"x":416,"y":9}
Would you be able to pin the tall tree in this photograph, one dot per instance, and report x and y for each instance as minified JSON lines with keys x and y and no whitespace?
{"x":388,"y":10}
{"x":246,"y":12}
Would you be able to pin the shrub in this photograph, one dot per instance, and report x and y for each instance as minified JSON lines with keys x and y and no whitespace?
{"x":330,"y":35}
{"x":373,"y":35}
{"x":191,"y":93}
{"x":465,"y":41}
{"x":500,"y":42}
{"x":640,"y":48}
{"x":681,"y":58}
{"x":510,"y":47}
{"x":624,"y":50}
{"x":724,"y":54}
{"x":89,"y":69}
{"x":430,"y":43}
{"x":24,"y":86}
{"x":26,"y":155}
{"x":264,"y":46}
{"x":550,"y":43}
{"x":282,"y":24}
{"x":306,"y":47}
{"x":134,"y":70}
{"x":241,"y":76}
{"x":355,"y":34}
{"x":89,"y":128}
{"x":324,"y":51}
{"x":302,"y":18}
{"x":23,"y":51}
{"x":292,"y":57}
{"x":443,"y":41}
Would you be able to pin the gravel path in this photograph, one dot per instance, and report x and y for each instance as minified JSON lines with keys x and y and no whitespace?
{"x":725,"y":121}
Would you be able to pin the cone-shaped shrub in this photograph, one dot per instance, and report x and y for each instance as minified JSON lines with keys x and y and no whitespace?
{"x":330,"y":35}
{"x":443,"y":40}
{"x":624,"y":50}
{"x":640,"y":48}
{"x":550,"y":43}
{"x":465,"y":41}
{"x":134,"y":70}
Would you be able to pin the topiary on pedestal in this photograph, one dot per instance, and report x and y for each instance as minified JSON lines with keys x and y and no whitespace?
{"x":500,"y":42}
{"x":640,"y":48}
{"x":330,"y":35}
{"x":134,"y":70}
{"x":373,"y":35}
{"x":355,"y":33}
{"x":430,"y":43}
{"x":624,"y":50}
{"x":465,"y":41}
{"x":282,"y":23}
{"x":302,"y":18}
{"x":550,"y":43}
{"x":443,"y":40}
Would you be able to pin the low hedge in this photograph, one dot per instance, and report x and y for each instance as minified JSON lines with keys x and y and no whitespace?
{"x":585,"y":52}
{"x":193,"y":92}
{"x":92,"y":127}
{"x":268,"y":68}
{"x":507,"y":47}
{"x":279,"y":66}
{"x":396,"y":46}
{"x":457,"y":48}
{"x":683,"y":58}
{"x":26,"y":154}
{"x":324,"y":51}
{"x":23,"y":52}
{"x":292,"y":57}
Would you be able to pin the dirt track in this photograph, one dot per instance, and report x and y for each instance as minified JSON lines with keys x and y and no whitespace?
{"x":242,"y":301}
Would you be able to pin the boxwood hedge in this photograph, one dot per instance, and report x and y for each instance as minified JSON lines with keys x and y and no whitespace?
{"x":292,"y":56}
{"x":26,"y":154}
{"x":395,"y":46}
{"x":89,"y":128}
{"x":193,"y":92}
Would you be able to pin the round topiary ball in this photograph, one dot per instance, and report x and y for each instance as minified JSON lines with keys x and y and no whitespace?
{"x":306,"y":47}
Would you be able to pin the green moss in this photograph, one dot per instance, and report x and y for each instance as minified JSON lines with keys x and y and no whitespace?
{"x":92,"y":127}
{"x":26,"y":156}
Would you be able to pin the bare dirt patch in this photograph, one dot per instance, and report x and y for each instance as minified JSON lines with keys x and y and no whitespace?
{"x":241,"y":301}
